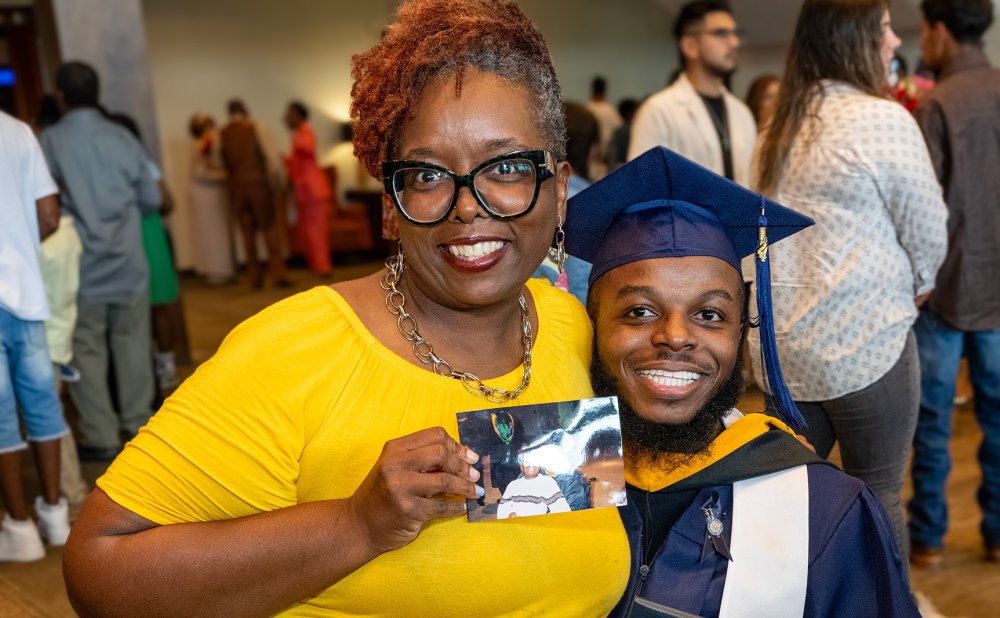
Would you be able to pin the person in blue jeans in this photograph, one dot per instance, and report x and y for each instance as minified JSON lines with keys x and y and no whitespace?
{"x":960,"y":124}
{"x":941,"y":347}
{"x":29,"y":212}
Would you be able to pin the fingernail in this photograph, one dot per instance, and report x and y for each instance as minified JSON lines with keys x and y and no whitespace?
{"x":473,"y":474}
{"x":480,"y":492}
{"x":471,"y":456}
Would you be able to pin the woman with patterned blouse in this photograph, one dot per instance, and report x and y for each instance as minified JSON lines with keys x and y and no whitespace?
{"x":846,"y":291}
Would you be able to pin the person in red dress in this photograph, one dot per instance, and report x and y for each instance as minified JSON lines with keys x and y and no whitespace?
{"x":312,"y":190}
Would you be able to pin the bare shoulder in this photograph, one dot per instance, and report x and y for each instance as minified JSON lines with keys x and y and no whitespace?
{"x":366,"y":298}
{"x":359,"y":292}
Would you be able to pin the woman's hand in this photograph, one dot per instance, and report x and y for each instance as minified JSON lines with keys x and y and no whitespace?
{"x":416,"y":478}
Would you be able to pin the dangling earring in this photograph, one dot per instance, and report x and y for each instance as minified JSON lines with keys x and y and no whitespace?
{"x":560,"y":257}
{"x":394,"y":263}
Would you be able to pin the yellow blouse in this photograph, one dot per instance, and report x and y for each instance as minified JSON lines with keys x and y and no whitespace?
{"x":296,"y":406}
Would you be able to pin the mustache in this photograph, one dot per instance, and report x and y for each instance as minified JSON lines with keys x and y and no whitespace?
{"x":683,"y":358}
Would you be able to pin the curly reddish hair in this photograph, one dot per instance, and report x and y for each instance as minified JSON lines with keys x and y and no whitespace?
{"x":433,"y":38}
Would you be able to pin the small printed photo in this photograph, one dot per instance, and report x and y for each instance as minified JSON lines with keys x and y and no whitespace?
{"x":545,"y":458}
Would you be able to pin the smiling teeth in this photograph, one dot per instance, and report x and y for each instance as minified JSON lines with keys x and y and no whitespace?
{"x":671,"y":378}
{"x":476,"y":251}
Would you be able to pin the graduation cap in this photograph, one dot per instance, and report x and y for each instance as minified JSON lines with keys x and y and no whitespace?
{"x":663,"y":205}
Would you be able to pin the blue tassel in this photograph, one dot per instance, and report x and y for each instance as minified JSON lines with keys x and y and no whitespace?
{"x":776,"y":393}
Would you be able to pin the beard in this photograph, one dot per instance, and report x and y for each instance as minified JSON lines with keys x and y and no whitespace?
{"x":719,"y":70}
{"x":662,"y":444}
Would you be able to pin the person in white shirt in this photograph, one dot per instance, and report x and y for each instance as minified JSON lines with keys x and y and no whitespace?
{"x":30,"y":212}
{"x":532,"y":493}
{"x":696,"y":116}
{"x":846,"y":290}
{"x":608,"y":121}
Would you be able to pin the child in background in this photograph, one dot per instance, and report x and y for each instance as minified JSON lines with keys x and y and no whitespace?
{"x":60,"y":264}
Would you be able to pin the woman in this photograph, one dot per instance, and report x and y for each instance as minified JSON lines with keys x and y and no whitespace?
{"x":761,"y":98}
{"x":846,"y":290}
{"x":310,"y":467}
{"x":311,"y":189}
{"x":209,"y":201}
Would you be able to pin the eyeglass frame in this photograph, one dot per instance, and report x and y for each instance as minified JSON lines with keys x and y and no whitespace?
{"x":720,"y":33}
{"x":542,"y":159}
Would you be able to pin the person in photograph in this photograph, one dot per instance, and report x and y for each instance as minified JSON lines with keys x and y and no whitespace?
{"x":725,"y":510}
{"x":849,"y":288}
{"x":532,"y":493}
{"x":311,"y":467}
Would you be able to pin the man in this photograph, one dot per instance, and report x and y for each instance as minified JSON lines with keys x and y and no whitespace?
{"x":960,"y":120}
{"x":250,"y":194}
{"x":608,"y":121}
{"x":728,"y":513}
{"x":696,"y":116}
{"x":107,"y":185}
{"x":312,"y":191}
{"x":29,"y":212}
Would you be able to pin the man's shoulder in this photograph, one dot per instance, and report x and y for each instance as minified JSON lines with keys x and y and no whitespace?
{"x":737,"y":105}
{"x":673,"y":94}
{"x":961,"y":86}
{"x":16,"y":134}
{"x":9,"y":123}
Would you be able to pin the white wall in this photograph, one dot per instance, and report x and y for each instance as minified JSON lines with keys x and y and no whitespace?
{"x":203,"y":53}
{"x":107,"y":34}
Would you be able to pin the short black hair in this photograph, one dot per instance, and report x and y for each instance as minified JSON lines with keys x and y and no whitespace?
{"x":627,"y":108}
{"x":599,"y":86}
{"x":582,"y":132}
{"x":48,"y":112}
{"x":693,"y":13}
{"x":966,"y":20}
{"x":237,"y":106}
{"x":300,"y":109}
{"x":78,"y":84}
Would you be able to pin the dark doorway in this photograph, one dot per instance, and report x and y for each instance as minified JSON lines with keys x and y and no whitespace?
{"x":20,"y":70}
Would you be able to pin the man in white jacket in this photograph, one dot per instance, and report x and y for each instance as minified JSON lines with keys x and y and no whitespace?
{"x":696,"y":115}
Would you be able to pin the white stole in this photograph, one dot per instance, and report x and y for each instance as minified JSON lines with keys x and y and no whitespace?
{"x":769,"y":546}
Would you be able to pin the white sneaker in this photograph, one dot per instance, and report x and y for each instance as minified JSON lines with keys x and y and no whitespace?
{"x":19,"y":541}
{"x":166,"y":370}
{"x":53,"y":521}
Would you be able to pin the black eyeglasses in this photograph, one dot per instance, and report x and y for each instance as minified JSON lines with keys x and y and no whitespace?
{"x":505,"y":186}
{"x":722,"y":33}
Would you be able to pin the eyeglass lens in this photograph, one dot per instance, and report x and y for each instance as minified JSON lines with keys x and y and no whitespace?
{"x":425,"y":194}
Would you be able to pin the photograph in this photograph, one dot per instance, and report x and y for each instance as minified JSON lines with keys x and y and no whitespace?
{"x":545,"y":458}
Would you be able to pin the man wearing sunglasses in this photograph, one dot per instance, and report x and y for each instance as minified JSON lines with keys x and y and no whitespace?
{"x":696,"y":115}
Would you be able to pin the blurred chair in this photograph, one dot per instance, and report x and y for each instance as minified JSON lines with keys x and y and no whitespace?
{"x":350,"y":228}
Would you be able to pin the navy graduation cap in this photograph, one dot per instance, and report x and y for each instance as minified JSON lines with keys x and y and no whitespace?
{"x":663,"y":205}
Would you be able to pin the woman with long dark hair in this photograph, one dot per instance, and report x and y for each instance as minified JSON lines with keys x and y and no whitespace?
{"x":846,"y":291}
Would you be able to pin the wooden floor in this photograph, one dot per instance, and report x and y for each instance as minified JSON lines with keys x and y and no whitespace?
{"x":964,"y":586}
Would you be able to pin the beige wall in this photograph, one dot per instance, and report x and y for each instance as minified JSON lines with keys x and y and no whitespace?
{"x":267,"y":52}
{"x":202,"y":53}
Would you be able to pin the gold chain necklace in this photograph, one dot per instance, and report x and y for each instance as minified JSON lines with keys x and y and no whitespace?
{"x":395,"y":302}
